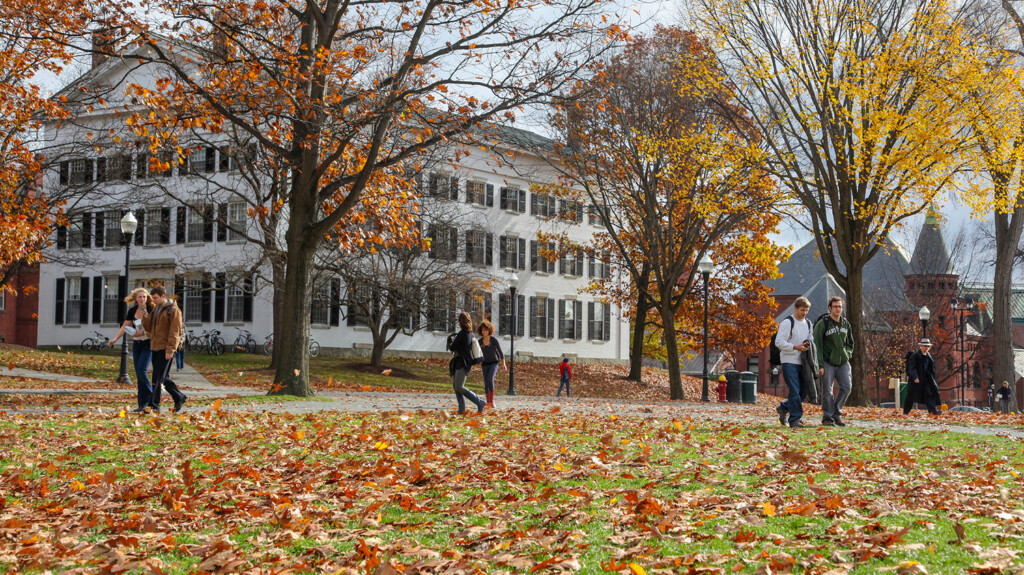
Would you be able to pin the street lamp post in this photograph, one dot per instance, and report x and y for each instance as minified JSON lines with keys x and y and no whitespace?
{"x":924,"y":314}
{"x":706,"y":266}
{"x":961,"y":306}
{"x":513,"y":283}
{"x":128,"y":226}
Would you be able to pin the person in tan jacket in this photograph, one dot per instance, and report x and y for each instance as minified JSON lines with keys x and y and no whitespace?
{"x":164,"y":328}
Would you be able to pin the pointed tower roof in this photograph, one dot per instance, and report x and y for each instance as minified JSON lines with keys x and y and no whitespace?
{"x":931,"y":257}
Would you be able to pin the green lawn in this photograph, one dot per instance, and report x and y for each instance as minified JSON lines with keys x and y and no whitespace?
{"x":512,"y":491}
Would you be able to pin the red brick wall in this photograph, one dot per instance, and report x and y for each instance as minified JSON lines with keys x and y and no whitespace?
{"x":18,"y":320}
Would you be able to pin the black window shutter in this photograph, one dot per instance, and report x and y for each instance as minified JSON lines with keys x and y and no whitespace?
{"x":521,"y":312}
{"x":551,"y":318}
{"x":503,"y":200}
{"x":489,"y":250}
{"x":97,"y":299}
{"x":179,"y":231}
{"x":590,"y":267}
{"x":522,"y":201}
{"x":65,"y":170}
{"x":335,"y":301}
{"x":58,"y":310}
{"x":503,"y":320}
{"x":579,"y":213}
{"x":62,"y":238}
{"x":433,"y":183}
{"x":141,"y":230}
{"x":205,"y":313}
{"x":453,"y":188}
{"x":208,"y":223}
{"x":222,"y":222}
{"x":219,"y":303}
{"x":490,"y":195}
{"x":533,"y":204}
{"x":101,"y":169}
{"x":578,"y":315}
{"x":90,"y":166}
{"x":607,"y":329}
{"x":533,"y":255}
{"x":87,"y":231}
{"x":578,"y":268}
{"x":561,"y":319}
{"x":590,"y":320}
{"x":179,"y":290}
{"x":469,"y":247}
{"x":211,"y":159}
{"x":83,"y":309}
{"x":561,"y":263}
{"x":141,"y":166}
{"x":165,"y":225}
{"x":248,"y":291}
{"x":522,"y":254}
{"x":122,"y":292}
{"x":502,"y":251}
{"x":533,"y":316}
{"x":453,"y":244}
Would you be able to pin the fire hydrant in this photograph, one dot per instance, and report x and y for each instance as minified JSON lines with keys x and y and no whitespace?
{"x":721,"y":389}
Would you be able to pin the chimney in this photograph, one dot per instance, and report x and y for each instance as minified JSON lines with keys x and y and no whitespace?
{"x":102,"y":46}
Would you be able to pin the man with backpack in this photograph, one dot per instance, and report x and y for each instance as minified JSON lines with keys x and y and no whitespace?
{"x":164,"y":326}
{"x":834,"y":339}
{"x":793,"y":338}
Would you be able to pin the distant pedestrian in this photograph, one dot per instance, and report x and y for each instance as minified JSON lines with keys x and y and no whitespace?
{"x":565,"y":371}
{"x":1005,"y":395}
{"x":834,"y":340}
{"x":922,"y":387}
{"x":492,"y":356}
{"x":141,"y":303}
{"x":164,"y":327}
{"x":793,"y":338}
{"x":462,"y":362}
{"x":179,"y":358}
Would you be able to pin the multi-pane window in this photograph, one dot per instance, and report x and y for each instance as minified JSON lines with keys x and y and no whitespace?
{"x":236,"y":221}
{"x":512,"y":252}
{"x":444,"y":186}
{"x":235,"y":295}
{"x":478,"y":305}
{"x":477,"y":193}
{"x":3,"y":299}
{"x":513,"y":199}
{"x":444,"y":242}
{"x":571,"y":261}
{"x":753,"y":364}
{"x":74,"y":300}
{"x":111,"y":303}
{"x":202,"y":160}
{"x":479,"y":248}
{"x":543,"y":205}
{"x":600,"y":266}
{"x":360,"y":300}
{"x":506,"y":322}
{"x":195,"y":224}
{"x":408,"y":306}
{"x":112,"y":228}
{"x":599,"y":321}
{"x":541,"y":256}
{"x":154,"y":223}
{"x":320,"y":306}
{"x":570,"y":319}
{"x":542,"y":317}
{"x":226,"y":162}
{"x":81,"y":172}
{"x":114,"y":168}
{"x":595,"y":215}
{"x":440,"y":310}
{"x":193,"y":288}
{"x":571,"y":210}
{"x":76,"y":231}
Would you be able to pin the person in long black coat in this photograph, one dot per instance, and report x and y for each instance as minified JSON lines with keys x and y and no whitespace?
{"x":921,"y":382}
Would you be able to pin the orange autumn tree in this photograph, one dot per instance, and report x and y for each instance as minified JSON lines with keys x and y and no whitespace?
{"x":348,"y":95}
{"x":33,"y":40}
{"x":644,"y":136}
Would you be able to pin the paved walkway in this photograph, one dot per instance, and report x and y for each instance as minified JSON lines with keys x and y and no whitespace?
{"x":187,"y":379}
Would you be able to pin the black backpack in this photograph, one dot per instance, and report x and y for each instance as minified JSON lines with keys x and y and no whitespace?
{"x":774,"y":353}
{"x":450,"y":346}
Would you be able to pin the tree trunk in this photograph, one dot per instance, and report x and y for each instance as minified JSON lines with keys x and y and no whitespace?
{"x":855,"y":315}
{"x":292,"y":374}
{"x":636,"y":354}
{"x":377,"y":354}
{"x":278,"y":271}
{"x":1007,"y":233}
{"x":675,"y":376}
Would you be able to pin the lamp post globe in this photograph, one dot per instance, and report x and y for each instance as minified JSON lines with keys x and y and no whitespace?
{"x":924,"y":314}
{"x":128,"y":226}
{"x":705,"y":266}
{"x":513,"y":282}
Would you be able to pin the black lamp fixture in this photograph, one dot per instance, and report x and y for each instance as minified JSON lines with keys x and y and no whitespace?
{"x":705,"y":266}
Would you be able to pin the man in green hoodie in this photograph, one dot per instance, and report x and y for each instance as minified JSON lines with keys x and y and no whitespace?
{"x":835,"y":348}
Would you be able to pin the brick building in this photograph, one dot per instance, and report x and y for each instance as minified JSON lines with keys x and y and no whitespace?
{"x":18,"y":310}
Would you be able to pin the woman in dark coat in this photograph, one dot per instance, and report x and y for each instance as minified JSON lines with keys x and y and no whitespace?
{"x":921,"y":383}
{"x":463,"y":362}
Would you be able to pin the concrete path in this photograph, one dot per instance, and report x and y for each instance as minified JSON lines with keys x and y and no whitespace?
{"x":187,"y":379}
{"x":19,"y":372}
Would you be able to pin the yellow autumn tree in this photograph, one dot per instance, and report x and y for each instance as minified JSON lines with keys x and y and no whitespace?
{"x":852,"y":100}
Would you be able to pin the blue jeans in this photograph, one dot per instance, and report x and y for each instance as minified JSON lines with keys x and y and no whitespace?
{"x":489,"y":372}
{"x":179,"y":358}
{"x":565,"y":382}
{"x":462,"y":394}
{"x":792,"y":373}
{"x":140,"y":357}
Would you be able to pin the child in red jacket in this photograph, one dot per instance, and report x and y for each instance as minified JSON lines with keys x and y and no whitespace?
{"x":566,"y":371}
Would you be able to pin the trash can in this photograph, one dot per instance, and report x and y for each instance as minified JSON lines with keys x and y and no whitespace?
{"x":733,"y":389}
{"x":748,"y":381}
{"x":903,"y":394}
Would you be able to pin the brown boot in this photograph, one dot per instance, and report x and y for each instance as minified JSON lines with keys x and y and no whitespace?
{"x":490,"y":399}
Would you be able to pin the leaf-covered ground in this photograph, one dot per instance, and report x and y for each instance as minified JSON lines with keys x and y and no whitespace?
{"x":513,"y":491}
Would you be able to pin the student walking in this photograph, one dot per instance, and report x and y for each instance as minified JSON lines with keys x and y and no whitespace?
{"x":141,"y":303}
{"x":834,"y":340}
{"x":793,"y":338}
{"x":1004,"y":394}
{"x":922,"y":387}
{"x":566,"y":377}
{"x":164,"y":327}
{"x":462,"y":362}
{"x":492,"y":356}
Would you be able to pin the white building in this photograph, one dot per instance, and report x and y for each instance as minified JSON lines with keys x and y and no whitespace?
{"x":182,"y":243}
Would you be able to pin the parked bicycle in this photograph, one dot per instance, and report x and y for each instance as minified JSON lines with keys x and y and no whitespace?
{"x":191,"y":341}
{"x":244,"y":341}
{"x":214,"y":342}
{"x":98,"y":342}
{"x":268,"y":346}
{"x":209,"y":341}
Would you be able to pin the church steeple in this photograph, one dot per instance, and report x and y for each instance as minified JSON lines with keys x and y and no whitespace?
{"x":931,"y":257}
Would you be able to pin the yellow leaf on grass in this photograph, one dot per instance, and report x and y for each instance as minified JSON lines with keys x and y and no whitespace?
{"x":636,"y":569}
{"x":769,"y":509}
{"x":121,"y":413}
{"x":678,"y":425}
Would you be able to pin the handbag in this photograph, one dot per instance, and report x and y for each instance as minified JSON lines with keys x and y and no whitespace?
{"x":475,"y":351}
